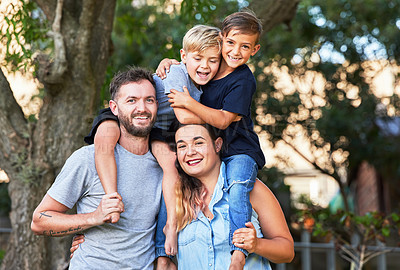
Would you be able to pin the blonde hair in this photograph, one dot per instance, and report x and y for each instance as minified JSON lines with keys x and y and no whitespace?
{"x":200,"y":38}
{"x":190,"y":194}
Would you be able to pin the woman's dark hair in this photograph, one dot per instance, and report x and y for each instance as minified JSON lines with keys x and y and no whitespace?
{"x":190,"y":191}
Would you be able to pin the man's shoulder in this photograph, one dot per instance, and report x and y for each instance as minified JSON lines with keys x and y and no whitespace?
{"x":84,"y":151}
{"x":82,"y":156}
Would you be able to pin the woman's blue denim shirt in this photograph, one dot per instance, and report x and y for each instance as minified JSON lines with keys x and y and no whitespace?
{"x":204,"y":244}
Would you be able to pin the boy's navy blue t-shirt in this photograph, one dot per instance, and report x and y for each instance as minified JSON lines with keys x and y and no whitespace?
{"x":234,"y":93}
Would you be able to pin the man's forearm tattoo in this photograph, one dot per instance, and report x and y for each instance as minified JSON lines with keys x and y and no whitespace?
{"x":43,"y":214}
{"x":62,"y":233}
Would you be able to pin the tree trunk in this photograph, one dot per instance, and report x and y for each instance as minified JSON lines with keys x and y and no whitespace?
{"x":32,"y":153}
{"x":274,"y":12}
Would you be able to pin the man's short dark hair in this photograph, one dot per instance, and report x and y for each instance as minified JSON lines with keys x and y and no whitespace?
{"x":133,"y":74}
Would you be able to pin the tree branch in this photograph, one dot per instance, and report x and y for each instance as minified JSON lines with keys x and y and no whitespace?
{"x":52,"y":73}
{"x":273,"y":13}
{"x":14,"y":129}
{"x":305,"y":158}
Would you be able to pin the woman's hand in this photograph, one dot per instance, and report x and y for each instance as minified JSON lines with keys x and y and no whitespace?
{"x":76,"y":241}
{"x":163,"y":67}
{"x":246,"y":238}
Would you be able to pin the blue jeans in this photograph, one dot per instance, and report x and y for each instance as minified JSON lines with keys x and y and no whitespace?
{"x":241,"y":173}
{"x":160,"y":236}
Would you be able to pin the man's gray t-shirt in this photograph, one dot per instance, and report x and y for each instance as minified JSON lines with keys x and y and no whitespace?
{"x":177,"y":77}
{"x":129,"y":243}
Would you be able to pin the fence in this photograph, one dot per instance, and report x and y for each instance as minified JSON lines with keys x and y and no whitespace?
{"x":306,"y":247}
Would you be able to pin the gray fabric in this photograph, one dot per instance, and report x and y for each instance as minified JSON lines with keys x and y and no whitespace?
{"x":128,"y":244}
{"x":177,"y":77}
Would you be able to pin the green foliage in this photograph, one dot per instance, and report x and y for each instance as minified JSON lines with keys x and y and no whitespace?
{"x":2,"y":254}
{"x":342,"y":226}
{"x":144,"y":34}
{"x":273,"y":178}
{"x":333,"y":38}
{"x":27,"y":172}
{"x":25,"y":33}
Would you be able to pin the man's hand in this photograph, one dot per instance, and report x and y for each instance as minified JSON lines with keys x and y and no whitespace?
{"x":109,"y":203}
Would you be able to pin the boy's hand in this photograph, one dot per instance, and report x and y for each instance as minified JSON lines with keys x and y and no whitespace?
{"x":163,"y":67}
{"x":179,"y":99}
{"x":246,"y":238}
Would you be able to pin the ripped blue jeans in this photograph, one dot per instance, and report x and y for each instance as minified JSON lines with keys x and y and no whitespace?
{"x":241,"y":173}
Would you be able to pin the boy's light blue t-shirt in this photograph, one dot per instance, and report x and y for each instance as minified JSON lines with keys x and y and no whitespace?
{"x":177,"y":77}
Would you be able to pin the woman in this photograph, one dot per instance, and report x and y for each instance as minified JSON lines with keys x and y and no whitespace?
{"x":202,"y":210}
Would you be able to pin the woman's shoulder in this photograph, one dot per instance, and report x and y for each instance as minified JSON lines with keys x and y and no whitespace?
{"x":261,"y":193}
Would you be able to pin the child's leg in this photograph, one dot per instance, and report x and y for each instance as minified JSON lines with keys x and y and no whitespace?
{"x":241,"y":172}
{"x":106,"y":138}
{"x":166,"y":158}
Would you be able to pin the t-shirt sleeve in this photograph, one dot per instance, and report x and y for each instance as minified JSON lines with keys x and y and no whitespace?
{"x":71,"y":183}
{"x":176,"y":79}
{"x":238,"y":98}
{"x":104,"y":114}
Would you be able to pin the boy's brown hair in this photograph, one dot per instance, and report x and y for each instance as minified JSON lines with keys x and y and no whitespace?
{"x":244,"y":21}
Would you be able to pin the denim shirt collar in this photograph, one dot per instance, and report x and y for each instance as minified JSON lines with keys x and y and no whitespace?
{"x":217,"y":194}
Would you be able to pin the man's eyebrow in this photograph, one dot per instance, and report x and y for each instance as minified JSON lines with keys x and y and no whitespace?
{"x":179,"y":141}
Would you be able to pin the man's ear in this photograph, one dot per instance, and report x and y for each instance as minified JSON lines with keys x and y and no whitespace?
{"x":218,"y":144}
{"x":114,"y":107}
{"x":183,"y":56}
{"x":255,"y":49}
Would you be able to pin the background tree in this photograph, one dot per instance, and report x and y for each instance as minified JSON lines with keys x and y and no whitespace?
{"x":71,"y":68}
{"x":328,"y":96}
{"x":71,"y":71}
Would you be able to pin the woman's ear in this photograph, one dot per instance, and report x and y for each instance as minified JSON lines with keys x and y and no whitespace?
{"x":218,"y":144}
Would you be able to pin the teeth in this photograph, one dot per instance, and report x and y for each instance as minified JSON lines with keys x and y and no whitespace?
{"x":141,"y":117}
{"x":193,"y":162}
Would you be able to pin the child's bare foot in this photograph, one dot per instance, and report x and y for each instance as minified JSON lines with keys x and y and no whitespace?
{"x":171,"y":239}
{"x":237,"y":260}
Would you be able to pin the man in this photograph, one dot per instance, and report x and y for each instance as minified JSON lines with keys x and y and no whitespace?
{"x":129,"y":243}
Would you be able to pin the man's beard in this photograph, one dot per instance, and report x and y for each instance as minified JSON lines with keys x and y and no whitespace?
{"x":137,"y":131}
